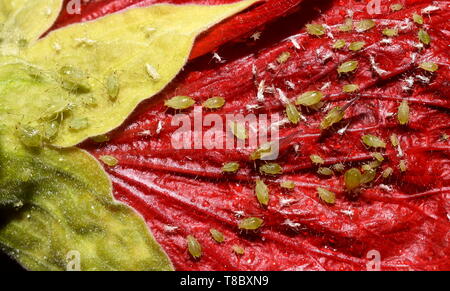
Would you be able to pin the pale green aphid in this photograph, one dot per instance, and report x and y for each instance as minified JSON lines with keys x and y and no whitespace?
{"x":339,"y":44}
{"x":379,"y":157}
{"x":424,"y":37}
{"x":152,"y":72}
{"x":430,"y":67}
{"x":264,"y":150}
{"x":403,"y":166}
{"x":262,"y":192}
{"x":271,"y":169}
{"x":214,"y":103}
{"x":293,"y":114}
{"x":396,"y":7}
{"x":365,"y":25}
{"x":100,"y":138}
{"x":51,"y":129}
{"x":194,"y":247}
{"x":30,"y":136}
{"x":251,"y":223}
{"x":348,"y":67}
{"x":388,"y":172}
{"x":326,"y":195}
{"x":74,"y":80}
{"x":109,"y":160}
{"x":238,"y":250}
{"x":315,"y":29}
{"x":317,"y":160}
{"x":339,"y":167}
{"x":403,"y":113}
{"x":352,"y":179}
{"x":368,"y":176}
{"x":334,"y":116}
{"x":357,"y":45}
{"x":217,"y":235}
{"x":310,"y":98}
{"x":347,"y":26}
{"x":112,"y":87}
{"x":325,"y":171}
{"x":418,"y":19}
{"x":238,"y":130}
{"x":180,"y":102}
{"x":350,"y":88}
{"x":373,"y":141}
{"x":79,"y":123}
{"x":390,"y":32}
{"x":394,"y":140}
{"x":232,"y":167}
{"x":284,"y":57}
{"x":288,"y":185}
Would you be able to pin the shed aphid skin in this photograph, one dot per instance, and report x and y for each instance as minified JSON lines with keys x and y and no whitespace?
{"x":373,"y":141}
{"x":283,"y":57}
{"x":271,"y":169}
{"x":365,"y":25}
{"x":403,"y":113}
{"x":238,"y":250}
{"x":251,"y":223}
{"x":339,"y":44}
{"x":348,"y":67}
{"x":326,"y":196}
{"x":293,"y":114}
{"x":256,"y":36}
{"x":290,"y":185}
{"x":357,"y":46}
{"x":214,"y":103}
{"x":403,"y":166}
{"x":217,"y":235}
{"x":317,"y":160}
{"x":109,"y":160}
{"x":232,"y":167}
{"x":79,"y":124}
{"x":180,"y":102}
{"x":325,"y":171}
{"x":152,"y":72}
{"x":194,"y":247}
{"x":430,"y":67}
{"x":316,"y":29}
{"x":310,"y":98}
{"x":262,"y":192}
{"x":424,"y":37}
{"x":112,"y":86}
{"x":387,"y":172}
{"x":334,"y":116}
{"x":352,"y":179}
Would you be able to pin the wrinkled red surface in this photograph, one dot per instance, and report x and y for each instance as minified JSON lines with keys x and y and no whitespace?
{"x":404,"y":218}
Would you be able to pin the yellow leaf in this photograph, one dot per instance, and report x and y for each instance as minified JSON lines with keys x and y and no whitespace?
{"x":144,"y":48}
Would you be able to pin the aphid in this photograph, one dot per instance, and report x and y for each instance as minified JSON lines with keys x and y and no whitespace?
{"x":444,"y":137}
{"x":263,"y":151}
{"x":334,"y":116}
{"x":238,"y":130}
{"x":30,"y":136}
{"x":325,"y":171}
{"x":365,"y":25}
{"x":390,"y":32}
{"x":418,"y":19}
{"x":388,"y":172}
{"x":403,"y":166}
{"x":194,"y":247}
{"x":368,"y":176}
{"x":79,"y":123}
{"x":403,"y":113}
{"x":112,"y":87}
{"x":373,"y":141}
{"x":109,"y":160}
{"x":379,"y":157}
{"x":50,"y":130}
{"x":317,"y":160}
{"x":352,"y":179}
{"x":262,"y":192}
{"x":430,"y":67}
{"x":326,"y":196}
{"x":271,"y":169}
{"x":347,"y":26}
{"x":396,"y":7}
{"x":74,"y":79}
{"x":292,"y":113}
{"x":231,"y":167}
{"x":310,"y":98}
{"x":251,"y":223}
{"x":180,"y":102}
{"x":100,"y":138}
{"x":287,"y":185}
{"x":394,"y":140}
{"x":238,"y":250}
{"x":371,"y":166}
{"x":152,"y":72}
{"x":217,"y":235}
{"x":350,"y":88}
{"x":339,"y":167}
{"x":348,"y":67}
{"x":315,"y":29}
{"x":84,"y":41}
{"x":284,"y":57}
{"x":339,"y":44}
{"x":22,"y":43}
{"x":356,"y":46}
{"x":214,"y":103}
{"x":424,"y":37}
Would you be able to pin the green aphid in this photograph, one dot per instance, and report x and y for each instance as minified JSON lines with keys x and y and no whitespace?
{"x":310,"y":98}
{"x":326,"y":196}
{"x":251,"y":223}
{"x":180,"y":102}
{"x":79,"y":124}
{"x":113,"y":87}
{"x":348,"y":67}
{"x":74,"y":80}
{"x":214,"y":103}
{"x":271,"y":169}
{"x":194,"y":247}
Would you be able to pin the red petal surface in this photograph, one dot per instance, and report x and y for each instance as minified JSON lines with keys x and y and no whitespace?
{"x":405,"y":218}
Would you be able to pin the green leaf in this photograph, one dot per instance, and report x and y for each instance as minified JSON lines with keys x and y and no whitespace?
{"x":146,"y":49}
{"x":24,"y":21}
{"x":64,"y":204}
